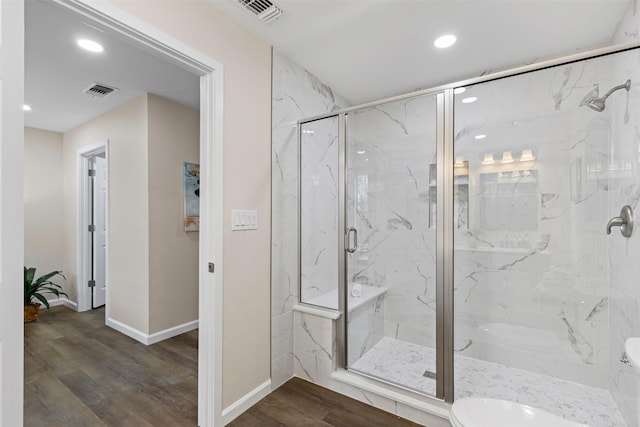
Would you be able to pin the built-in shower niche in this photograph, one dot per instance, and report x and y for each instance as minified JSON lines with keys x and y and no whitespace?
{"x":460,"y":194}
{"x":508,"y":207}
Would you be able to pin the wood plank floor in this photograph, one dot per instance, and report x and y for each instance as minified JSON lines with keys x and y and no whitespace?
{"x":300,"y":403}
{"x":78,"y":372}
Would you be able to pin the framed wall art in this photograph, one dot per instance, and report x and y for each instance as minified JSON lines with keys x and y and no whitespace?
{"x":191,"y":174}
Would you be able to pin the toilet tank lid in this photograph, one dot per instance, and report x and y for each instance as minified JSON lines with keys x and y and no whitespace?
{"x":487,"y":412}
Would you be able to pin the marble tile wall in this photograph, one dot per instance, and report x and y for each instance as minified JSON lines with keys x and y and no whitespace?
{"x":315,"y":347}
{"x":365,"y":326}
{"x":532,"y":289}
{"x":623,"y":110}
{"x":628,"y":29}
{"x":391,"y":149}
{"x":573,"y":290}
{"x":319,"y":209}
{"x":296,"y":94}
{"x":315,"y":355}
{"x":624,"y":296}
{"x":555,"y":296}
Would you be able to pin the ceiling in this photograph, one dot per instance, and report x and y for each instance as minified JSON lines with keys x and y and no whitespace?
{"x":364,"y":49}
{"x":372,"y":49}
{"x":57,"y":71}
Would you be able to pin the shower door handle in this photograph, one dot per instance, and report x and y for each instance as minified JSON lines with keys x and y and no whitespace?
{"x":624,"y":221}
{"x":347,"y":245}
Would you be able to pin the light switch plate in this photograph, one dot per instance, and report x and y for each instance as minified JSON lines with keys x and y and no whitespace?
{"x":244,"y":220}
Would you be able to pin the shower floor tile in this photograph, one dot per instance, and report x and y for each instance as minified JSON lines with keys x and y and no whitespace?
{"x":410,"y":365}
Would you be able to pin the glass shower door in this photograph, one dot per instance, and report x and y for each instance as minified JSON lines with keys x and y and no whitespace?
{"x":391,"y":242}
{"x":318,"y":198}
{"x":539,"y":285}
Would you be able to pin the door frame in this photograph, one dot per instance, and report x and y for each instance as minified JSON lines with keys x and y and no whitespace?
{"x":143,"y":35}
{"x":84,"y":254}
{"x":12,"y":216}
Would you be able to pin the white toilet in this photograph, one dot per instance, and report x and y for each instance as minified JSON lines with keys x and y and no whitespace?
{"x":632,"y":351}
{"x":483,"y":412}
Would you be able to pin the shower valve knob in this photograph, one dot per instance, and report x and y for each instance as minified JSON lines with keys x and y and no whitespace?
{"x":624,"y":221}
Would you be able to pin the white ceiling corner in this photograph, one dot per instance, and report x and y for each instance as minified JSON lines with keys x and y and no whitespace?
{"x":363,"y":49}
{"x":371,"y":49}
{"x":57,"y":71}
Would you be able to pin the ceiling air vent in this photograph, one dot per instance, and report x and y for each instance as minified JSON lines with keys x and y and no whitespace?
{"x":98,"y":90}
{"x":265,"y":10}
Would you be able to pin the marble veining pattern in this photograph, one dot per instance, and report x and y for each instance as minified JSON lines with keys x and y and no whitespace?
{"x":546,"y":271}
{"x":557,"y":277}
{"x":319,"y":208}
{"x":405,"y":364}
{"x":296,"y":94}
{"x":624,"y":294}
{"x":391,"y":164}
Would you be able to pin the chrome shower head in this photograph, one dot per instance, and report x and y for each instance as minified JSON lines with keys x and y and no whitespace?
{"x":598,"y":104}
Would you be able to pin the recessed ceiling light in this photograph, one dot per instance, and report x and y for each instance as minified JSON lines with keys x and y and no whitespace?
{"x":444,"y":41}
{"x":459,"y":90}
{"x":90,"y":45}
{"x":469,"y":100}
{"x":480,"y":136}
{"x":26,"y":107}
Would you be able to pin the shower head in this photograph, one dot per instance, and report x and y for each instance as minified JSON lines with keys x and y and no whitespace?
{"x":598,"y":104}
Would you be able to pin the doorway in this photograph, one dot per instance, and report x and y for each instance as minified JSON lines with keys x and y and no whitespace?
{"x":93,"y":227}
{"x":209,"y":71}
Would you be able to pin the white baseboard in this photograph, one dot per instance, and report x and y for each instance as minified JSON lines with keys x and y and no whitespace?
{"x":232,"y":411}
{"x":172,"y":332}
{"x":147,"y":339}
{"x":63,"y":301}
{"x":128,"y":330}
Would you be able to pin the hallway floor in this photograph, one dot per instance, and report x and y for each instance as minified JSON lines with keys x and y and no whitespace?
{"x":79,"y":372}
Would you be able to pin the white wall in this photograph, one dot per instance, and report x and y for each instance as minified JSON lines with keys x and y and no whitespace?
{"x":43,"y":196}
{"x":126,"y":129}
{"x":173,"y":253}
{"x":153,"y":277}
{"x":247,"y":175}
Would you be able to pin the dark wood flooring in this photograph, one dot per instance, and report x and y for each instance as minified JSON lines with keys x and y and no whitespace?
{"x":79,"y":372}
{"x":300,"y":403}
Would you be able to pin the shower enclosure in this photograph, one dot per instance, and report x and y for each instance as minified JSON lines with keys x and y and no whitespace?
{"x":461,"y":233}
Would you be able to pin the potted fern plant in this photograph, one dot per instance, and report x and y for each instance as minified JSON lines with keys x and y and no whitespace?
{"x":34,"y":290}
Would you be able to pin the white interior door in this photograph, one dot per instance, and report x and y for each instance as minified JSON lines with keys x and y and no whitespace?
{"x":100,"y":234}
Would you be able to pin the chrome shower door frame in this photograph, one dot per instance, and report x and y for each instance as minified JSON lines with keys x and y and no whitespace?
{"x":444,"y":246}
{"x":444,"y":233}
